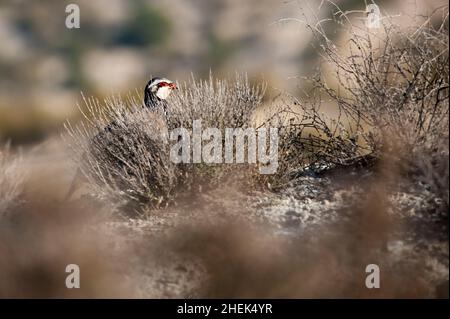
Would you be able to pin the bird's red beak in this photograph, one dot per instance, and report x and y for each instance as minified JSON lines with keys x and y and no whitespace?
{"x":173,"y":86}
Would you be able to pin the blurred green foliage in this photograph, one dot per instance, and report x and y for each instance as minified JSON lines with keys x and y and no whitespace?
{"x":146,"y":26}
{"x":219,"y":51}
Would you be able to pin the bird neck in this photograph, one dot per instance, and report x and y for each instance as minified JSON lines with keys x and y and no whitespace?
{"x":153,"y":102}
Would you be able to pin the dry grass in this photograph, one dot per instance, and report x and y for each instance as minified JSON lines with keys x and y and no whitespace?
{"x":122,"y":151}
{"x":388,"y":84}
{"x":122,"y":148}
{"x":312,"y":141}
{"x":218,"y":103}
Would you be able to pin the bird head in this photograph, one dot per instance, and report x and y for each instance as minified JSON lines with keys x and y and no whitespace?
{"x":160,"y":87}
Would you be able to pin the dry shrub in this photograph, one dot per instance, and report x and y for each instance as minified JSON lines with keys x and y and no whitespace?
{"x":218,"y":104}
{"x":117,"y":140}
{"x":402,"y":89}
{"x":122,"y":148}
{"x":11,"y":180}
{"x":310,"y":141}
{"x":388,"y":82}
{"x":122,"y":151}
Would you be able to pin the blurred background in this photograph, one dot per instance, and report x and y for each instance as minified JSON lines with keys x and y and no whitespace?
{"x":44,"y":66}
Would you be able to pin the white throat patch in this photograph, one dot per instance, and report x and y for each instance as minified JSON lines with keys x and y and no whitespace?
{"x":163,"y":92}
